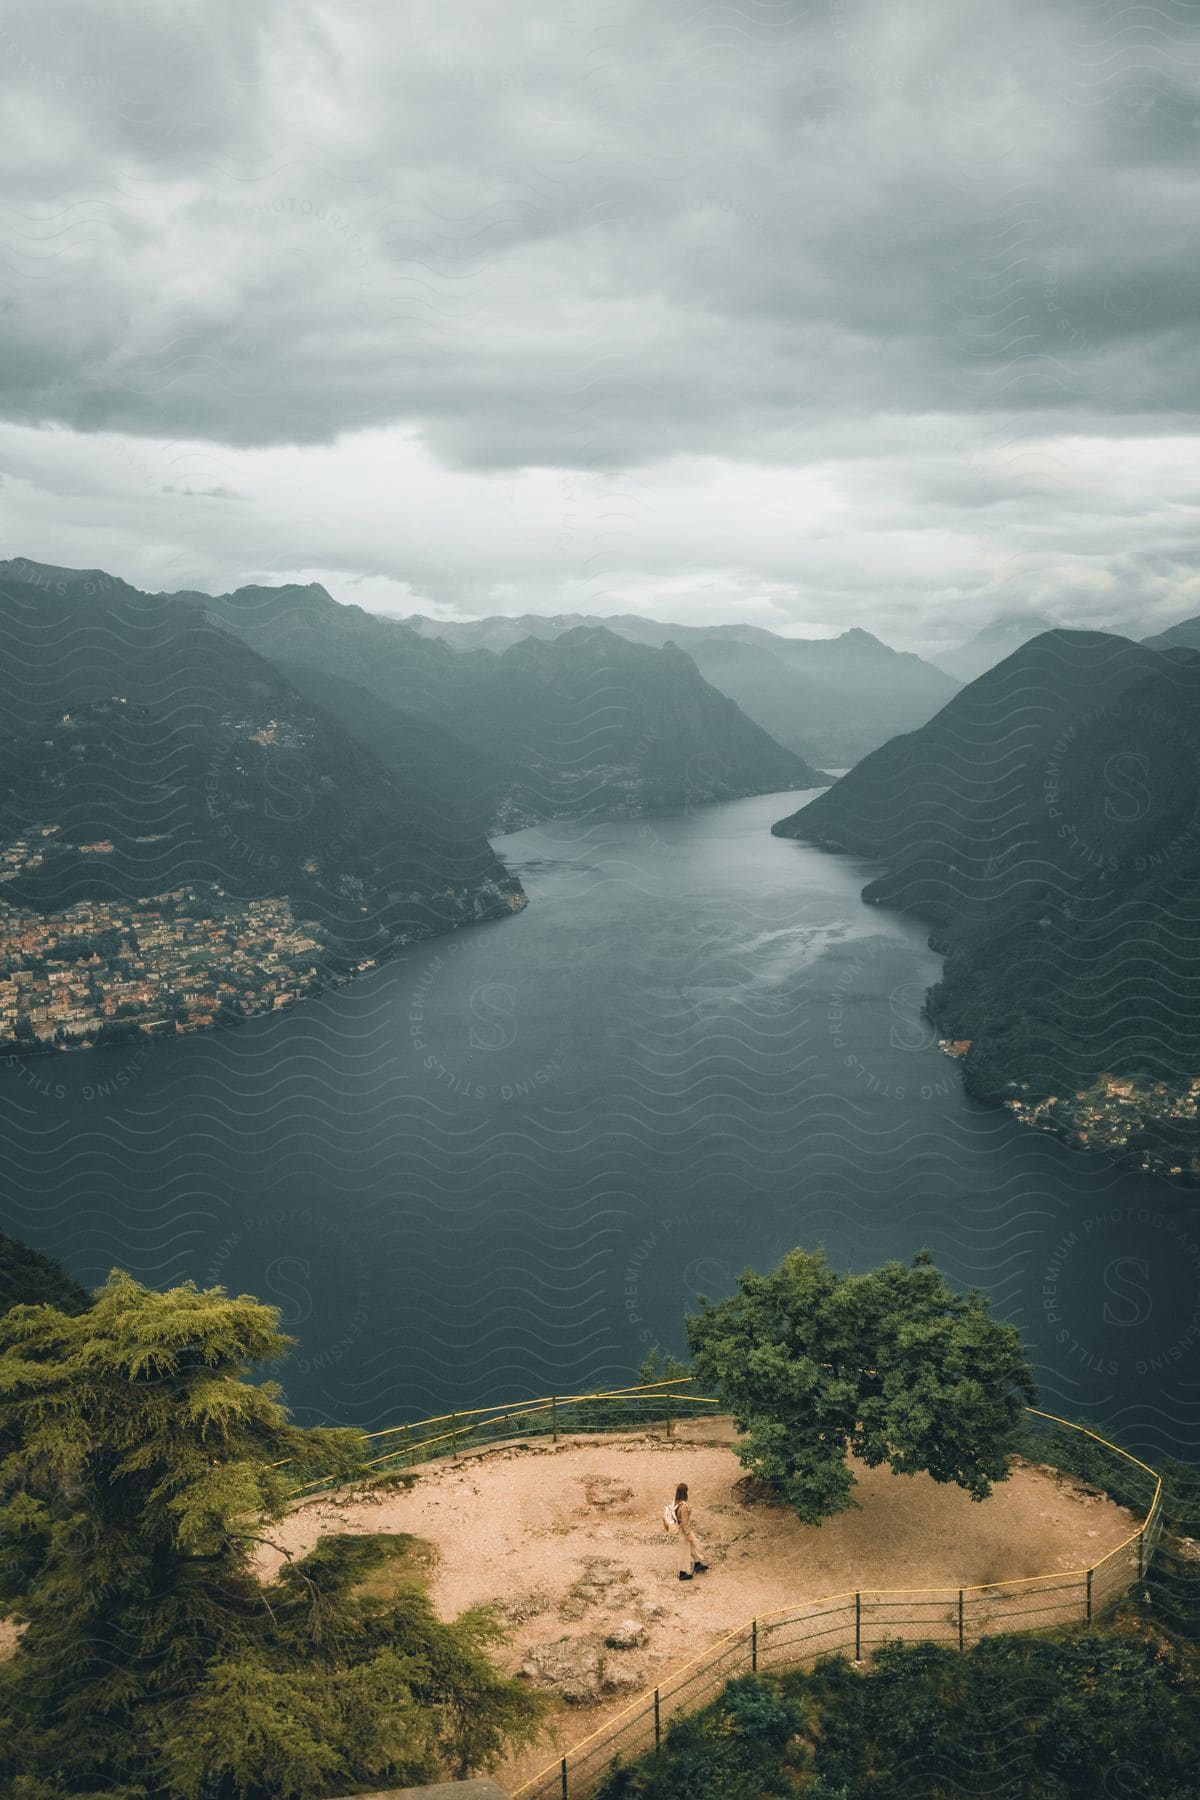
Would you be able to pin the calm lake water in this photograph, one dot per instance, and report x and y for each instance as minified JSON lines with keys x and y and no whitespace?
{"x":510,"y":1161}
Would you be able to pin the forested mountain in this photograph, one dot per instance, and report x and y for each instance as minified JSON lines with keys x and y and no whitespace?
{"x":169,"y":801}
{"x":1183,"y":636}
{"x":578,"y":724}
{"x":831,"y":700}
{"x":463,"y":784}
{"x":1047,"y":822}
{"x":27,"y":1278}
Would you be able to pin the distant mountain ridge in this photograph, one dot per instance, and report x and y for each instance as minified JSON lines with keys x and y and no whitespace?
{"x":991,"y":645}
{"x":1185,"y":635}
{"x":1047,"y":823}
{"x":830,"y":700}
{"x":576,"y":724}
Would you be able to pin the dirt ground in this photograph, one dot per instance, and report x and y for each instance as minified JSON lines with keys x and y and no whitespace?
{"x":569,"y":1540}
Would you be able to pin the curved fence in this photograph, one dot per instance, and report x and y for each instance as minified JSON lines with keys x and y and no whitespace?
{"x":853,"y":1623}
{"x":401,"y":1447}
{"x":856,"y":1623}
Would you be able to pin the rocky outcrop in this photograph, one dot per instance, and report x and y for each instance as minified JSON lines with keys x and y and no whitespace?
{"x":583,"y":1670}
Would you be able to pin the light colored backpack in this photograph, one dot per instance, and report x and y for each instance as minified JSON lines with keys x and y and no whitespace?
{"x":670,"y":1517}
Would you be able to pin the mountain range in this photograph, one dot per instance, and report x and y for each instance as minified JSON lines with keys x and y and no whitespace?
{"x":1183,"y":636}
{"x":27,"y":1278}
{"x":574,"y":725}
{"x":169,"y":801}
{"x":990,"y":645}
{"x":1047,"y":824}
{"x":214,"y":806}
{"x":831,"y":700}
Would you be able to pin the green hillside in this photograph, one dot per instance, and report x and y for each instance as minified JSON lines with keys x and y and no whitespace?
{"x":831,"y":700}
{"x":574,"y":726}
{"x":1047,"y":823}
{"x":169,"y":800}
{"x":27,"y":1278}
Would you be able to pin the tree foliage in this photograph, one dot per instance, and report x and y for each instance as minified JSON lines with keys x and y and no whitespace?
{"x":741,"y":1748}
{"x":658,"y":1365}
{"x":140,"y":1467}
{"x":892,"y":1366}
{"x":1086,"y":1714}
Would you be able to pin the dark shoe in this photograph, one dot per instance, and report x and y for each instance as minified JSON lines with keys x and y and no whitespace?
{"x":699,"y":1568}
{"x":684,"y":1576}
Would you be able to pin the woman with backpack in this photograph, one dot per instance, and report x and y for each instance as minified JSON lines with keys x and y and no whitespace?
{"x":679,"y":1513}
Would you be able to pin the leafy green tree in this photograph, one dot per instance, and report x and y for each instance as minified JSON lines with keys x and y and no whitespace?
{"x":658,"y":1365}
{"x":140,"y":1468}
{"x":892,"y":1366}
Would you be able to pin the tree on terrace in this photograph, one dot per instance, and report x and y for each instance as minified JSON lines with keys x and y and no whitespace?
{"x":892,"y":1366}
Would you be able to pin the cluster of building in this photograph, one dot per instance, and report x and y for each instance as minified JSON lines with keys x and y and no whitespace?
{"x":27,"y":852}
{"x":172,"y":962}
{"x":1114,"y":1109}
{"x":1106,"y":1115}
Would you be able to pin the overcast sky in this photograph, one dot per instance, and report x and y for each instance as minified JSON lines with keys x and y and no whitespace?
{"x":810,"y":315}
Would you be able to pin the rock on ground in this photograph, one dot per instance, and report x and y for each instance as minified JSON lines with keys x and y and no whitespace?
{"x":582,"y":1670}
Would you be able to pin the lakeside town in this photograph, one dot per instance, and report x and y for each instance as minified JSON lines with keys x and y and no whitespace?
{"x":100,"y":971}
{"x":1109,"y":1113}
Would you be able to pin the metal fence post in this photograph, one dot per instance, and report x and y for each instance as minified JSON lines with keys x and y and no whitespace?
{"x":554,"y":1425}
{"x":1147,"y":1538}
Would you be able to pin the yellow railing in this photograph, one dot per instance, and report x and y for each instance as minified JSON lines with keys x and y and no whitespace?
{"x":858,"y":1621}
{"x":559,"y":1413}
{"x":855,"y":1622}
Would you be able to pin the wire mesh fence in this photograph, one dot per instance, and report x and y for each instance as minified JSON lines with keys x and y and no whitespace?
{"x":855,"y":1624}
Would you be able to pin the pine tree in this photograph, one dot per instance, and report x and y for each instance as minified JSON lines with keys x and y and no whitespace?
{"x":140,"y":1468}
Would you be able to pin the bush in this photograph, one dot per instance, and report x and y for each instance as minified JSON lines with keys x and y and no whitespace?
{"x":740,"y":1748}
{"x":1080,"y":1714}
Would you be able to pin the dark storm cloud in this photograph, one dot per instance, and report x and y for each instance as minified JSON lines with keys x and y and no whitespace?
{"x":595,"y":240}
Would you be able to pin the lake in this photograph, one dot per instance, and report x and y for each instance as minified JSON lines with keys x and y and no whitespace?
{"x":511,"y":1160}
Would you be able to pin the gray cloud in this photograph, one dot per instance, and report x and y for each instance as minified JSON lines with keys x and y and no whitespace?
{"x":929,"y":250}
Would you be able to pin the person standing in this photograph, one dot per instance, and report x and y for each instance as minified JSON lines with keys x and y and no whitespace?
{"x":691,"y":1560}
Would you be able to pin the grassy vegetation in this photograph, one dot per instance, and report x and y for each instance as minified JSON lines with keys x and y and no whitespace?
{"x":1052,"y":1717}
{"x":404,"y":1561}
